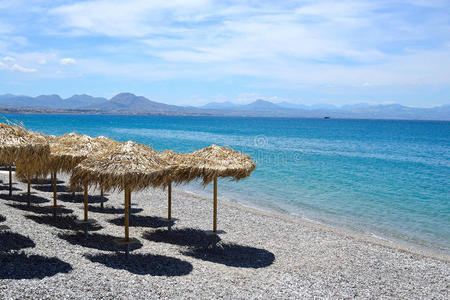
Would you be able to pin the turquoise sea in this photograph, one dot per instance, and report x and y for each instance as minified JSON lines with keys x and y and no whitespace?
{"x":385,"y":178}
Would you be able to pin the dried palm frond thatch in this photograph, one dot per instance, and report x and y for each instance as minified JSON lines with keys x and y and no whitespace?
{"x":127,"y":165}
{"x":27,"y":166}
{"x":19,"y":145}
{"x":215,"y":161}
{"x":185,"y":169}
{"x":68,"y":150}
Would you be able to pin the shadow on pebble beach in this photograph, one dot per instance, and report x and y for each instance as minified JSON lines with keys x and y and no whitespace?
{"x":40,"y":209}
{"x":23,"y":198}
{"x":14,"y":241}
{"x":49,"y":188}
{"x":79,"y":198}
{"x":233,"y":255}
{"x":142,"y":221}
{"x":112,"y":210}
{"x":144,"y":264}
{"x":22,"y":266}
{"x":182,"y":237}
{"x":63,"y":222}
{"x":6,"y":188}
{"x":104,"y":242}
{"x":46,"y":181}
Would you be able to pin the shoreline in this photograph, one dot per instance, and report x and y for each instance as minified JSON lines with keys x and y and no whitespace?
{"x":362,"y":235}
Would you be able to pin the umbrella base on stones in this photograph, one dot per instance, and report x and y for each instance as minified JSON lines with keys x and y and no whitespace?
{"x":28,"y":195}
{"x":217,"y":232}
{"x":127,"y":243}
{"x":54,"y":208}
{"x":215,"y":235}
{"x":86,"y":225}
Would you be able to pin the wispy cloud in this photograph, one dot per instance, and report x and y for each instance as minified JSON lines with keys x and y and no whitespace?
{"x":9,"y":58}
{"x":67,"y":61}
{"x":278,"y":45}
{"x":19,"y":68}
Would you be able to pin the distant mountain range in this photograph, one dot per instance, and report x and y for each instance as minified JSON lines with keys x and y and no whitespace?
{"x":127,"y":103}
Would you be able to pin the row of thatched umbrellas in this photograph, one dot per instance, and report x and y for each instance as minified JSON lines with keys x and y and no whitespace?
{"x":111,"y":165}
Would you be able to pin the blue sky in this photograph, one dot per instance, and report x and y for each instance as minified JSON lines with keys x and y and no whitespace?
{"x":198,"y":51}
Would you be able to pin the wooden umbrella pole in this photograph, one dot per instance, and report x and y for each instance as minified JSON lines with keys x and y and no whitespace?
{"x":28,"y":190}
{"x":29,"y":185}
{"x":129,"y":206}
{"x":169,"y":201}
{"x":101,"y":197}
{"x":127,"y":221}
{"x":85,"y":202}
{"x":215,"y":206}
{"x":54,"y":189}
{"x":10,"y":179}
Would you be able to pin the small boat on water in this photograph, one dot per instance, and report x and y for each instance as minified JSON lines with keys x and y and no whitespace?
{"x":326,"y":117}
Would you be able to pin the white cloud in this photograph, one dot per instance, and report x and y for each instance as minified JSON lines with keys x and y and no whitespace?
{"x":19,"y":68}
{"x":42,"y":61}
{"x":67,"y":61}
{"x":8,"y":58}
{"x":130,"y":18}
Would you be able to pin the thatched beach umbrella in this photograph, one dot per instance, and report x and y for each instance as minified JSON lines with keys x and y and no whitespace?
{"x":26,"y":167}
{"x":127,"y":167}
{"x":17,"y":144}
{"x":213,"y":162}
{"x":68,"y":150}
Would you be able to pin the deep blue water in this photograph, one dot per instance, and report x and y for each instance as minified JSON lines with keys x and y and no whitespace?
{"x":387,"y":178}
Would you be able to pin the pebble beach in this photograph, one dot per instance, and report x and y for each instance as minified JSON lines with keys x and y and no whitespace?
{"x":258,"y":254}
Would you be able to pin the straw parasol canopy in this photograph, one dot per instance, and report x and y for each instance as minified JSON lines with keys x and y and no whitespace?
{"x":27,"y":166}
{"x":124,"y":166}
{"x":68,"y":150}
{"x":215,"y":161}
{"x":185,"y":168}
{"x":17,"y":144}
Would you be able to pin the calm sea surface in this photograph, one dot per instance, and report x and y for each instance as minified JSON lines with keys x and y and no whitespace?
{"x":386,"y":178}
